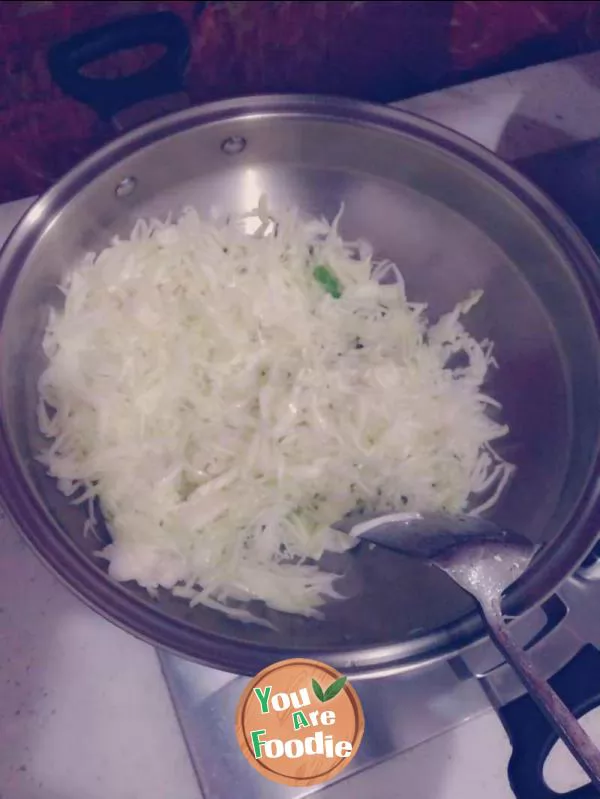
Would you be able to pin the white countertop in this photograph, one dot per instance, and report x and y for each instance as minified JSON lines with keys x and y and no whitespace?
{"x":84,"y":711}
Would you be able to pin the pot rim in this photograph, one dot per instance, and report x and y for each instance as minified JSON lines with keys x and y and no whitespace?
{"x":558,"y":559}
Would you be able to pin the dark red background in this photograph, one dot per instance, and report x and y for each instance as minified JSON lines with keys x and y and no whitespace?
{"x":373,"y":50}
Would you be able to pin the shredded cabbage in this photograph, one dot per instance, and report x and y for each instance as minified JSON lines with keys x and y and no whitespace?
{"x":226,"y":396}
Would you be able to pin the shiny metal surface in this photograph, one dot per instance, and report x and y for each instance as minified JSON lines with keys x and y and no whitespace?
{"x":455,"y":219}
{"x":562,"y":638}
{"x":484,"y":560}
{"x":403,"y":710}
{"x":409,"y":708}
{"x":447,"y":540}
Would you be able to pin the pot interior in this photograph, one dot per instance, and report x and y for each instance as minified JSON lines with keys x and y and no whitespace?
{"x":451,"y":219}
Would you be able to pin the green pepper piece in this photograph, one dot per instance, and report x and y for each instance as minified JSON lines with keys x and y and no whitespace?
{"x":328,"y":280}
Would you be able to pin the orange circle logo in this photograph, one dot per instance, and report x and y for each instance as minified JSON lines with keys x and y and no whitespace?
{"x":299,"y":722}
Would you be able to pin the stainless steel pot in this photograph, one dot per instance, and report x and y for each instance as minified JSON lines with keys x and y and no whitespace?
{"x":455,"y":218}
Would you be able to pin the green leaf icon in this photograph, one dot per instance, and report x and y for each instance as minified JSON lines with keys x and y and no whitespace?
{"x":334,"y":689}
{"x":331,"y":692}
{"x":318,"y":691}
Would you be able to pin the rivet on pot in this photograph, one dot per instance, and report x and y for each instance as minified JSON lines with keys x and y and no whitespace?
{"x":125,"y":187}
{"x":233,"y":145}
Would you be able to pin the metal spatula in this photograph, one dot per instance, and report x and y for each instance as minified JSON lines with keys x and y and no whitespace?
{"x":484,"y":560}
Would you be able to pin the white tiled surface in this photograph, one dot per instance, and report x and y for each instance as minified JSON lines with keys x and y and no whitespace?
{"x":522,"y":113}
{"x":84,"y":712}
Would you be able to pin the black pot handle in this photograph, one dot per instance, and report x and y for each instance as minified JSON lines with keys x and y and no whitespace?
{"x":532,"y":738}
{"x":109,"y":96}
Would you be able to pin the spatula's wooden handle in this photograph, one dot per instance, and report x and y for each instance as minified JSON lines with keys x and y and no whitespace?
{"x":558,"y":714}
